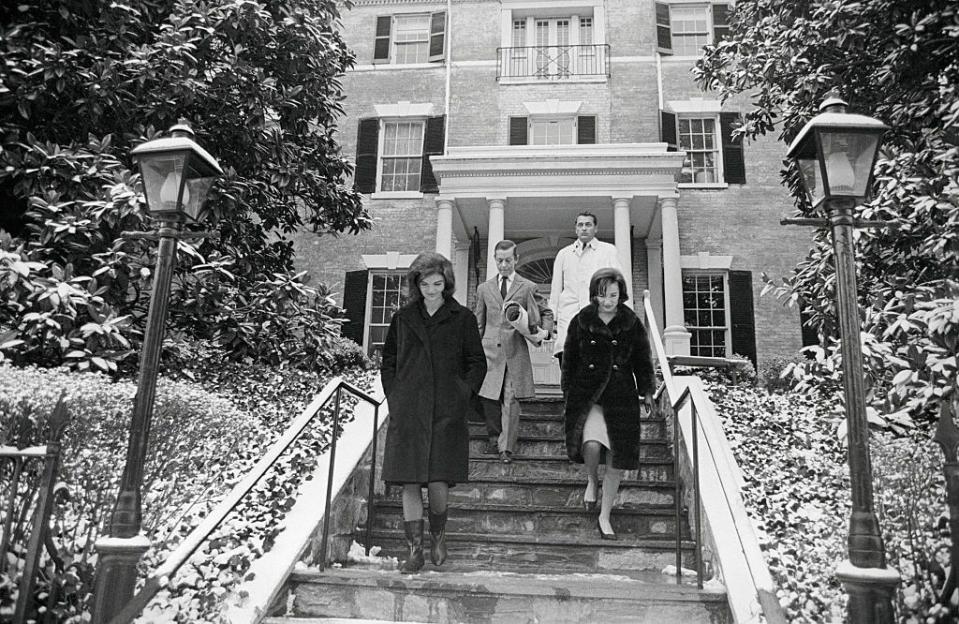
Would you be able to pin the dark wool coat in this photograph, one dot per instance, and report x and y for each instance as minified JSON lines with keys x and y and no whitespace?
{"x":431,"y":367}
{"x":610,"y":365}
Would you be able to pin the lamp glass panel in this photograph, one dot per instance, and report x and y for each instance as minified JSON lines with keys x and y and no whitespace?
{"x":163,"y":180}
{"x":194,"y":196}
{"x":848,"y":157}
{"x":812,"y":180}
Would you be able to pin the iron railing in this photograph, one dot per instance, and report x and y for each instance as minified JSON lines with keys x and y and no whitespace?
{"x":559,"y":62}
{"x":178,"y":557}
{"x":947,"y":436}
{"x":40,"y":527}
{"x":675,"y":405}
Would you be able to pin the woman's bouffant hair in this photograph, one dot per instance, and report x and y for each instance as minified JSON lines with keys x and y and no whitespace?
{"x":426,"y":264}
{"x":603,"y":278}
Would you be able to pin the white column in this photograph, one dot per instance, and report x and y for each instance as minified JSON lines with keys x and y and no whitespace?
{"x":654,"y":263}
{"x":461,"y":255}
{"x":621,"y":230}
{"x":444,"y":226}
{"x":675,"y":336}
{"x":497,"y":209}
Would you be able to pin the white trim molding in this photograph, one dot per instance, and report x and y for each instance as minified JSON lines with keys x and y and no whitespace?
{"x":553,"y":108}
{"x":404,"y":109}
{"x":694,"y":106}
{"x":390,"y":261}
{"x":705,"y":262}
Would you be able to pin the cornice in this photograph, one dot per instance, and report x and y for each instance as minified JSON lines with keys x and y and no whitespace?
{"x":512,"y":172}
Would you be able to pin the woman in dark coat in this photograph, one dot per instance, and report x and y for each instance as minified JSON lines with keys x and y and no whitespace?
{"x":607,"y":366}
{"x":433,"y":362}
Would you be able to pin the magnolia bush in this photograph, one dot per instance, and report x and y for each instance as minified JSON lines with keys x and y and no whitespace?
{"x":792,"y":450}
{"x":204,"y":438}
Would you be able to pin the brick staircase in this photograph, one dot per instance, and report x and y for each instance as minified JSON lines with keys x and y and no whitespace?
{"x":523,"y":549}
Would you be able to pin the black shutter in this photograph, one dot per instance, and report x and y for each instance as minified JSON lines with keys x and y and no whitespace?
{"x":741,"y":314}
{"x":810,"y":337}
{"x":586,"y":129}
{"x":518,"y":131}
{"x":664,"y":35}
{"x":381,"y":46}
{"x":354,"y":302}
{"x":667,"y":130}
{"x":720,"y":22}
{"x":432,"y":144}
{"x":734,"y":164}
{"x":437,"y":36}
{"x":367,"y":143}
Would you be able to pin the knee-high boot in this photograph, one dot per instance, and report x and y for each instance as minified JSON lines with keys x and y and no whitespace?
{"x":438,"y":537}
{"x":414,"y":540}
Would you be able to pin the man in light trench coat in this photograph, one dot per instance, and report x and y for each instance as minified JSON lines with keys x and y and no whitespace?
{"x":509,"y":372}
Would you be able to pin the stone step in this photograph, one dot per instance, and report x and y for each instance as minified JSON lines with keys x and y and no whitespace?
{"x":556,"y":554}
{"x":488,"y":466}
{"x":545,"y":425}
{"x":635,"y":521}
{"x":556,"y":491}
{"x":543,"y":405}
{"x":556,"y":445}
{"x":465,"y":597}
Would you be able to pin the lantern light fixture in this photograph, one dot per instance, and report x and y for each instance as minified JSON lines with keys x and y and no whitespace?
{"x":177,"y":173}
{"x":836,"y":152}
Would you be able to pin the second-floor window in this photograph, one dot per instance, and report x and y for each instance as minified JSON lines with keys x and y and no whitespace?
{"x":402,"y":156}
{"x":564,"y":130}
{"x":697,"y":137}
{"x":552,"y":48}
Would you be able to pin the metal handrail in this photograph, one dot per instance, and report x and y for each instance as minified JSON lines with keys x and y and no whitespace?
{"x":669,"y":386}
{"x":552,"y":61}
{"x":50,"y":454}
{"x":178,"y":557}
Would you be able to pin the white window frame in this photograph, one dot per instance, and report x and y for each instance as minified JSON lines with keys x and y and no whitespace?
{"x":532,"y":122}
{"x":727,"y":333}
{"x":710,"y":24}
{"x":719,"y":176}
{"x":394,"y":29}
{"x":381,"y":158}
{"x":368,"y":323}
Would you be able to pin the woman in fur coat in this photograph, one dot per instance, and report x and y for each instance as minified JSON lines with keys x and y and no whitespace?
{"x":607,"y":367}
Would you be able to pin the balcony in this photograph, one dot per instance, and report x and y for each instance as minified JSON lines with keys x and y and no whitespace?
{"x":553,"y":63}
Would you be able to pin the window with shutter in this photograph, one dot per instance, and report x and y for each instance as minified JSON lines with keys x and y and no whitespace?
{"x":706,"y":313}
{"x":387,"y":293}
{"x":406,"y":39}
{"x":381,"y":47}
{"x":437,"y":50}
{"x":401,"y":155}
{"x":667,"y":130}
{"x":720,"y":22}
{"x":684,"y":28}
{"x":664,"y":36}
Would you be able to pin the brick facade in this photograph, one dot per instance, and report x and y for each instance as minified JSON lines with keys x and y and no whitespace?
{"x":741,"y":220}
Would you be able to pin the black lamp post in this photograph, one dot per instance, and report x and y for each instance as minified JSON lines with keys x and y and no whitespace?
{"x":177,"y":174}
{"x":836,"y":152}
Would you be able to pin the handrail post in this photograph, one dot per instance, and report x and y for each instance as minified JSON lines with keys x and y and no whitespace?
{"x":699,"y":524}
{"x":370,"y":507}
{"x":329,"y":480}
{"x":677,"y":497}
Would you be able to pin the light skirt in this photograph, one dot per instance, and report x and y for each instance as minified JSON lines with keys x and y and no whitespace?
{"x":595,"y":428}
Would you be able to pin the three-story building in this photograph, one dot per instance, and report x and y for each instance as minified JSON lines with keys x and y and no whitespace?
{"x":471,"y":121}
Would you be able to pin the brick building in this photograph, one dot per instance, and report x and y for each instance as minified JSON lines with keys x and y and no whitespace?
{"x":471,"y":121}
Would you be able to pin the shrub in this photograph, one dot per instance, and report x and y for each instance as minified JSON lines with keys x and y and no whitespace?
{"x":773,"y":374}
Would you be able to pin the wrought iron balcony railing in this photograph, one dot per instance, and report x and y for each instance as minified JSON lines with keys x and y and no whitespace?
{"x":553,"y":62}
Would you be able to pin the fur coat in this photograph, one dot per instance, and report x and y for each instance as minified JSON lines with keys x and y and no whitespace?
{"x":610,"y":365}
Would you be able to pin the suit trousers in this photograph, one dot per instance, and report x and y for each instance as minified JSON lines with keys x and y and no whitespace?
{"x":502,"y":416}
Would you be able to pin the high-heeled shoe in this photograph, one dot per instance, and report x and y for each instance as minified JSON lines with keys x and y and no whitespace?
{"x":603,"y":534}
{"x":590,"y":505}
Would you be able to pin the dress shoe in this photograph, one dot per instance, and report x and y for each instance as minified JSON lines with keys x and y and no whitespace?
{"x":603,"y":534}
{"x":590,"y":505}
{"x":506,"y":457}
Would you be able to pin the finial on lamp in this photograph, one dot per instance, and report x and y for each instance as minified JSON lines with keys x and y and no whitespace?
{"x":182,"y":129}
{"x":833,"y":103}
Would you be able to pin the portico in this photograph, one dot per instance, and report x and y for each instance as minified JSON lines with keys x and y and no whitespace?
{"x":533,"y":194}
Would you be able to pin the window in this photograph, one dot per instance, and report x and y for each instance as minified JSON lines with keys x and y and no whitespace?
{"x":713,"y":155}
{"x":552,"y":47}
{"x":402,"y":156}
{"x":552,"y":130}
{"x":697,"y":137}
{"x":410,"y":38}
{"x":387,"y":293}
{"x":393,"y":154}
{"x":706,"y":312}
{"x":684,"y":29}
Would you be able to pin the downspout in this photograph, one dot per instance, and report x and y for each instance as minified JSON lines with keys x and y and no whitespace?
{"x":449,"y":70}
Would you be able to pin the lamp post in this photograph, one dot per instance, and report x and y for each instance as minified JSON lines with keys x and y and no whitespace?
{"x":835,"y":153}
{"x":177,"y":174}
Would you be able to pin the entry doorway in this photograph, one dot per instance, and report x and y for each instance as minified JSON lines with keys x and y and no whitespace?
{"x":536,"y":259}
